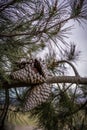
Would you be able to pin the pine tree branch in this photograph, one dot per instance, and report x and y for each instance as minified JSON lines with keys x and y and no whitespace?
{"x":51,"y":80}
{"x":67,"y":79}
{"x":6,"y":5}
{"x":66,"y":61}
{"x":35,"y":33}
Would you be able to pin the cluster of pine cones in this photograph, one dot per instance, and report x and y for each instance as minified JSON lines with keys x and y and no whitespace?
{"x":34,"y":72}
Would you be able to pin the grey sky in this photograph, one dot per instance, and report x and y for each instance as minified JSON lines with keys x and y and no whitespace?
{"x":79,"y":36}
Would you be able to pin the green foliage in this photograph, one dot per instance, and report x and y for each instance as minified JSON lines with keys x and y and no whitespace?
{"x":60,"y":113}
{"x":46,"y":115}
{"x":79,"y":9}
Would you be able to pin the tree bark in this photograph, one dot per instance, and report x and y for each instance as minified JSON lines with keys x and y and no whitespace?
{"x":67,"y":79}
{"x":53,"y":79}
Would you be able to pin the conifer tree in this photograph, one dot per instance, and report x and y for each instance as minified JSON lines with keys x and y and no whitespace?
{"x":26,"y":29}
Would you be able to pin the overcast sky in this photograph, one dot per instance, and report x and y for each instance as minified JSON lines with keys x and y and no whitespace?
{"x":79,"y":36}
